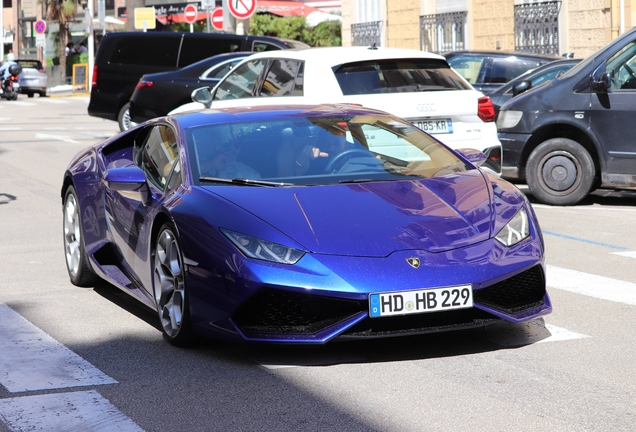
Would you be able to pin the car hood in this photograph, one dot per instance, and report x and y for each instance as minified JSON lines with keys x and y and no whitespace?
{"x":375,"y":219}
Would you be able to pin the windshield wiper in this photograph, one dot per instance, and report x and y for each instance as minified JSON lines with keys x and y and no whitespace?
{"x":362,"y":180}
{"x":245,"y":182}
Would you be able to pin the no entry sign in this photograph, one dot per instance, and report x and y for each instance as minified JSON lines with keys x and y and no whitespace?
{"x":242,"y":9}
{"x":217,"y":18}
{"x":190,"y":13}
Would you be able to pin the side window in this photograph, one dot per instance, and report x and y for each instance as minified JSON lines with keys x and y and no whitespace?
{"x":196,"y":48}
{"x":241,"y":81}
{"x":468,"y":67}
{"x":505,"y":69}
{"x":264,"y":46}
{"x":157,"y":50}
{"x":280,"y":79}
{"x":158,"y":157}
{"x":219,"y":71}
{"x":622,"y":68}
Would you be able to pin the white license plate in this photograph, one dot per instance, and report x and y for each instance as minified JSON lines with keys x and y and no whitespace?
{"x":435,"y":126}
{"x":420,"y":301}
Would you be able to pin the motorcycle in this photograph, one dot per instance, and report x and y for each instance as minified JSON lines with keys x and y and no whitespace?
{"x":11,"y":85}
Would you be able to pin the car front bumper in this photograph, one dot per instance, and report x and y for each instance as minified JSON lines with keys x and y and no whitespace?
{"x":513,"y":145}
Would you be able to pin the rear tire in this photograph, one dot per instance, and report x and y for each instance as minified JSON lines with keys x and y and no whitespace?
{"x":123,"y":118}
{"x":560,"y":172}
{"x":79,"y":269}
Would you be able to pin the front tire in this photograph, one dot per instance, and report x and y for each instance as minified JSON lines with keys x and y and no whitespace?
{"x":560,"y":172}
{"x":123,"y":118}
{"x":79,"y":269}
{"x":169,"y":286}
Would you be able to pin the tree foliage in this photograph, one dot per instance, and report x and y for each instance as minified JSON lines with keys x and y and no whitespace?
{"x":62,"y":11}
{"x":328,"y":33}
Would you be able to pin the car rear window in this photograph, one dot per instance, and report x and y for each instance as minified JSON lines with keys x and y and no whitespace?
{"x":34,"y":64}
{"x":397,"y":76}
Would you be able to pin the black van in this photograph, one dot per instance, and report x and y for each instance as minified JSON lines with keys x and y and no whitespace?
{"x":122,"y":58}
{"x":574,"y":134}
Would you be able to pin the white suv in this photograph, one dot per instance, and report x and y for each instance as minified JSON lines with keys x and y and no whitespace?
{"x":418,"y":86}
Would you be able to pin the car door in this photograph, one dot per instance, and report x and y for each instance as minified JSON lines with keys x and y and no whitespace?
{"x":129,"y":218}
{"x":614,"y":110}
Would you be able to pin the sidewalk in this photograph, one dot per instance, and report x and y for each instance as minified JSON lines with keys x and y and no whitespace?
{"x":65,"y":91}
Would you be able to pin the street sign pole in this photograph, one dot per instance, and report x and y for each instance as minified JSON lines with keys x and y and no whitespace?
{"x":2,"y":32}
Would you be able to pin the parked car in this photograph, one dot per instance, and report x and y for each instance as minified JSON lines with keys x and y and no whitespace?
{"x":158,"y":94}
{"x":531,"y":79}
{"x":489,"y":70}
{"x":570,"y":136}
{"x":389,"y":234}
{"x":411,"y":84}
{"x":122,"y":59}
{"x":32,"y":78}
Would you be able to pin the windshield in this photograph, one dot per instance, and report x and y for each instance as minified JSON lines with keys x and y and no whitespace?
{"x":295,"y":151}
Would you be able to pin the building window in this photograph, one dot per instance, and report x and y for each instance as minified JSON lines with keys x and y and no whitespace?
{"x":537,"y":27}
{"x":443,"y":32}
{"x":7,"y":3}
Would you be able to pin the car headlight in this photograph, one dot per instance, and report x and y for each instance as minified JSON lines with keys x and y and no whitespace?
{"x":508,"y":119}
{"x":515,"y":230}
{"x":256,"y":248}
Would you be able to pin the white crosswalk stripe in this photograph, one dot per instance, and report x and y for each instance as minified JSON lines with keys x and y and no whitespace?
{"x":32,"y":360}
{"x":629,"y":254}
{"x":591,"y":285}
{"x":43,"y":362}
{"x":75,"y":411}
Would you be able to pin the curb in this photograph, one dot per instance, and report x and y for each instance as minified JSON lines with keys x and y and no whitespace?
{"x":67,"y":94}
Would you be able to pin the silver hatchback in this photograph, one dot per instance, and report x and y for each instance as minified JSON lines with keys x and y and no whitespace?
{"x":33,"y":78}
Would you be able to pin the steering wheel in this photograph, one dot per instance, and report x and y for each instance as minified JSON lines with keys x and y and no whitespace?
{"x":630,"y":70}
{"x":332,"y":163}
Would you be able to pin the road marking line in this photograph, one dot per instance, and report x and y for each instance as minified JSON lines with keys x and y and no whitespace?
{"x":630,"y":254}
{"x":76,"y":411}
{"x":10,"y":129}
{"x":56,"y":137}
{"x":582,"y":240}
{"x":32,"y":360}
{"x":591,"y":285}
{"x":536,"y":331}
{"x":5,"y":118}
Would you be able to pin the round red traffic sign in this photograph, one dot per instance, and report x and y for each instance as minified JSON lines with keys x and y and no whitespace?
{"x":190,"y":13}
{"x":242,"y":9}
{"x":217,"y":18}
{"x":39,"y":27}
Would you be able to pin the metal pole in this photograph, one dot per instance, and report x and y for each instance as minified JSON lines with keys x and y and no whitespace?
{"x":207,"y":13}
{"x":1,"y":30}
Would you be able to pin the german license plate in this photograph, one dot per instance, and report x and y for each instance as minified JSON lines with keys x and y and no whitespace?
{"x":420,"y":301}
{"x":435,"y":126}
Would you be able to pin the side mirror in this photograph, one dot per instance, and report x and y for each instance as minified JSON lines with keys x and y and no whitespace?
{"x":202,"y":95}
{"x":601,"y":79}
{"x":521,"y":87}
{"x":131,"y":179}
{"x":602,"y":83}
{"x":473,"y":156}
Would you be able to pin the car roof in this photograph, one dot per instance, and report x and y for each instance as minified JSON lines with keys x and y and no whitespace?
{"x":488,"y":53}
{"x":340,"y":55}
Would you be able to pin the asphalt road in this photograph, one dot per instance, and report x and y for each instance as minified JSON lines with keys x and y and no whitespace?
{"x":93,"y":359}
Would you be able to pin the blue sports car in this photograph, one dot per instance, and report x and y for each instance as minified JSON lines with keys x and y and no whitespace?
{"x":301,"y":224}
